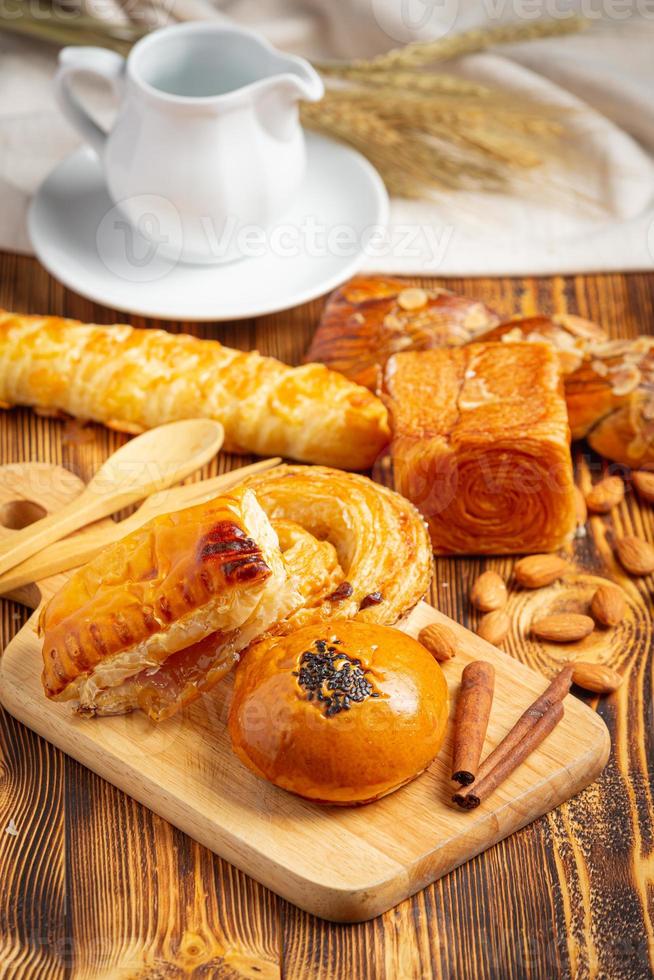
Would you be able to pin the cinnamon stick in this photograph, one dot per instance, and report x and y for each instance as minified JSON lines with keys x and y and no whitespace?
{"x":483,"y":788}
{"x":504,"y":754}
{"x":472,"y":712}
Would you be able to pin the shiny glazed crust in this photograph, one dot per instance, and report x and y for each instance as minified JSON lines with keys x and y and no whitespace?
{"x":132,"y":380}
{"x":481,"y":446}
{"x":285,"y":730}
{"x":349,"y":547}
{"x":380,"y":539}
{"x":173,"y":582}
{"x":313,"y":571}
{"x":364,"y":322}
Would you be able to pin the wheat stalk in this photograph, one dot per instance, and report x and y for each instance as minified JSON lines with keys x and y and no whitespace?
{"x":421,"y":53}
{"x":424,"y":130}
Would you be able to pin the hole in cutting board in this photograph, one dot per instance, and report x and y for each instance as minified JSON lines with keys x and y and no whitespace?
{"x":16,"y":514}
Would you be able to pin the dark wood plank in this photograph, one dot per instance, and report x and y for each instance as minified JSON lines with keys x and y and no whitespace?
{"x":95,"y":885}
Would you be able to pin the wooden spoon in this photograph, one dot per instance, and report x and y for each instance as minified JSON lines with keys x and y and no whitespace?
{"x":80,"y":548}
{"x":150,"y":462}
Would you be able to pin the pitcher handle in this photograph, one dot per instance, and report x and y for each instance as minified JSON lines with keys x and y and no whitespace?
{"x":75,"y":61}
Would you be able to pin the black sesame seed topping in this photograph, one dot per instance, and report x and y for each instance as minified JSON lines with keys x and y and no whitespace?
{"x":333,"y":678}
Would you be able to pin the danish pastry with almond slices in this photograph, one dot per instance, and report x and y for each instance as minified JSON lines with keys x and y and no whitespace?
{"x":371,"y":317}
{"x":162,"y":615}
{"x":609,"y":385}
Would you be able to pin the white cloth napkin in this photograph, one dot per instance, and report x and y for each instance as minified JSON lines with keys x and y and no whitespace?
{"x":593,"y":212}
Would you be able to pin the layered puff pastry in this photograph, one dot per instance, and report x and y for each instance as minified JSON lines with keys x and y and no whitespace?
{"x":609,"y":384}
{"x":380,"y":539}
{"x":371,"y":317}
{"x":181,"y":595}
{"x":481,"y":446}
{"x":160,"y":617}
{"x":132,"y":380}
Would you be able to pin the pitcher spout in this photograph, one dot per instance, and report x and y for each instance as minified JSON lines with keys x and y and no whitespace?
{"x":301,"y":78}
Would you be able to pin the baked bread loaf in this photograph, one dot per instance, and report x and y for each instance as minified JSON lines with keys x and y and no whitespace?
{"x":132,"y":380}
{"x":339,"y":715}
{"x":609,"y":385}
{"x":481,"y":446}
{"x":371,"y":317}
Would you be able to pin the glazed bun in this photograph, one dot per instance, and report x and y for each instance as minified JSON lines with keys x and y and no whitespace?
{"x":339,"y":713}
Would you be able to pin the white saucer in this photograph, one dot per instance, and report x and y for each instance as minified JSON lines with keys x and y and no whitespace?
{"x":82,"y":239}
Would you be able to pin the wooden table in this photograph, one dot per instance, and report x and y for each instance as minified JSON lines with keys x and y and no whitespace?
{"x":96,"y":886}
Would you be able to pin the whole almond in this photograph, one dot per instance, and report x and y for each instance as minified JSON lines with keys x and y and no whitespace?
{"x":596,"y":677}
{"x":608,"y":605}
{"x":644,"y":484}
{"x":605,"y":495}
{"x":412,"y":298}
{"x":488,"y":592}
{"x":635,"y":555}
{"x":439,"y":640}
{"x":536,"y":571}
{"x":563,"y":627}
{"x":494,"y":627}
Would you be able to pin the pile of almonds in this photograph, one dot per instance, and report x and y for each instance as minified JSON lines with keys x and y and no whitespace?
{"x":489,"y":595}
{"x":635,"y":555}
{"x":607,"y":608}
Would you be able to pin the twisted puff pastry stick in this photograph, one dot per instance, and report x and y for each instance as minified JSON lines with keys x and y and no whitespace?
{"x":132,"y":380}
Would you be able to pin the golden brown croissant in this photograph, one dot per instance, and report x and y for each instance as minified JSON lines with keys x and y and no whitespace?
{"x":161,"y":616}
{"x":371,"y":317}
{"x":133,"y":379}
{"x":481,"y":446}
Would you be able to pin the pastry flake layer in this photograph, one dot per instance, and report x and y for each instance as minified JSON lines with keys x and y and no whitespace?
{"x":481,"y":446}
{"x":211,"y":574}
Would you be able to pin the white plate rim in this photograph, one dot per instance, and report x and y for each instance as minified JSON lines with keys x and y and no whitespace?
{"x":297,"y":298}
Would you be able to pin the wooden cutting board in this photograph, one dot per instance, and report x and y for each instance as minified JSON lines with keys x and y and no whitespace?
{"x":339,"y":863}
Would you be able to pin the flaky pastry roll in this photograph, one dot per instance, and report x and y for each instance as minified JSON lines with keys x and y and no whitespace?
{"x":210,"y":576}
{"x":481,"y":446}
{"x":380,"y":539}
{"x":371,"y":317}
{"x":609,"y":384}
{"x":132,"y":380}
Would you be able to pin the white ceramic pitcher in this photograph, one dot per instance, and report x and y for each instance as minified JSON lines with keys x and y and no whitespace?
{"x":207,"y":140}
